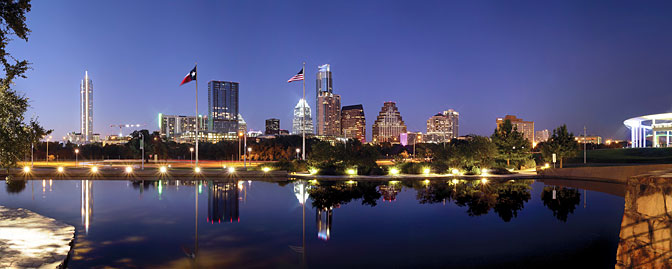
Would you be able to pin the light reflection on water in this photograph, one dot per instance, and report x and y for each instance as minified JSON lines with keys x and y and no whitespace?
{"x":435,"y":223}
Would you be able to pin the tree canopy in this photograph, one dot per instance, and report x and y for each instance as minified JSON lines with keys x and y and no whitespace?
{"x":511,"y":144}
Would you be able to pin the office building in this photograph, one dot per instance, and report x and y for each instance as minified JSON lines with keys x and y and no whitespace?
{"x":353,"y":122}
{"x":242,"y":125}
{"x":410,"y":138}
{"x":443,"y":127}
{"x":223,"y":106}
{"x":328,"y":122}
{"x":525,"y":127}
{"x":172,"y":126}
{"x":272,"y":127}
{"x":591,"y":139}
{"x":388,"y":125}
{"x":86,"y":108}
{"x":302,"y":115}
{"x":541,"y":136}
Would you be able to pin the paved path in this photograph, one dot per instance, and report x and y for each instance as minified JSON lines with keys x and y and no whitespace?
{"x":30,"y":240}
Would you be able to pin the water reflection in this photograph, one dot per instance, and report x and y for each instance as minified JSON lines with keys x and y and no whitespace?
{"x":86,"y":203}
{"x":561,"y":200}
{"x":14,"y":186}
{"x":223,"y":202}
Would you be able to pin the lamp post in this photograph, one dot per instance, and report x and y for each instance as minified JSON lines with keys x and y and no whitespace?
{"x":584,"y":144}
{"x":191,"y":156}
{"x":244,"y":147}
{"x":249,"y":151}
{"x":240,"y":135}
{"x":298,"y":150}
{"x":48,"y":138}
{"x":76,"y":157}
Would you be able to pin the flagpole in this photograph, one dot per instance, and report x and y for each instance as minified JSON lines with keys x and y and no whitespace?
{"x":303,"y":113}
{"x":198,"y":121}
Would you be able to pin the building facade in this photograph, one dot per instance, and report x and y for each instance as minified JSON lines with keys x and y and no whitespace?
{"x":525,"y":127}
{"x":86,"y":108}
{"x":272,"y":127}
{"x":443,"y":127}
{"x":173,"y":126}
{"x":223,"y":106}
{"x":388,"y":125}
{"x":594,"y":139}
{"x":328,"y":104}
{"x":303,"y":119}
{"x":541,"y":136}
{"x":353,"y":122}
{"x":242,"y":125}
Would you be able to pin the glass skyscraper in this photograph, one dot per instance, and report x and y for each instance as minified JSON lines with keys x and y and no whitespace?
{"x":328,"y":104}
{"x":223,"y":106}
{"x":304,"y":113}
{"x":86,"y":108}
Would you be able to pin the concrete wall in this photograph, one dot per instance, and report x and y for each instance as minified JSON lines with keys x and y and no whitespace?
{"x":607,"y":173}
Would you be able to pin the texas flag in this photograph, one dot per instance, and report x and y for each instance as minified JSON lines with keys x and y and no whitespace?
{"x":191,"y":76}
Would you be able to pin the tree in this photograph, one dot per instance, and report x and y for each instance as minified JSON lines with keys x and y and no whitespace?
{"x":13,"y":106}
{"x":562,"y":143}
{"x":511,"y":144}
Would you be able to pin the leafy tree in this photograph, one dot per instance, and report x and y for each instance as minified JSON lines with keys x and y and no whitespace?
{"x":13,"y":106}
{"x":562,"y":143}
{"x":511,"y":144}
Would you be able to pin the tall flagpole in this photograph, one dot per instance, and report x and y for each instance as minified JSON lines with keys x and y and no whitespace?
{"x":303,"y":117}
{"x":198,"y":121}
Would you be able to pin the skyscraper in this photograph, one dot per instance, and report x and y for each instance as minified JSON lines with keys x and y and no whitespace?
{"x":171,"y":126}
{"x":388,"y":124}
{"x":304,"y":113}
{"x":443,"y":127}
{"x":272,"y":127}
{"x":525,"y":127}
{"x":328,"y":104}
{"x":86,"y":108}
{"x":223,"y":106}
{"x":353,"y":122}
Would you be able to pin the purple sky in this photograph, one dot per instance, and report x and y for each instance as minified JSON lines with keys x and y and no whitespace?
{"x":575,"y":62}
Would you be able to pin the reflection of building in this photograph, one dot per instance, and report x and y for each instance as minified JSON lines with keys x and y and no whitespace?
{"x":223,"y":202}
{"x":172,"y":126}
{"x":302,"y":113}
{"x":388,"y":124}
{"x":443,"y":127}
{"x":324,"y":218}
{"x":86,"y":108}
{"x":389,"y":192}
{"x":588,"y":139}
{"x":87,"y":204}
{"x":353,"y":122}
{"x":272,"y":126}
{"x":525,"y":127}
{"x":223,"y":106}
{"x":300,"y":191}
{"x":541,"y":135}
{"x":328,"y":104}
{"x":656,"y":127}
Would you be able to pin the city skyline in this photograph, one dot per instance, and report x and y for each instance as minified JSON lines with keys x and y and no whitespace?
{"x":483,"y":68}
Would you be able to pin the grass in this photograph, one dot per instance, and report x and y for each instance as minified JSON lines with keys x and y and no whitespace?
{"x":627,"y":155}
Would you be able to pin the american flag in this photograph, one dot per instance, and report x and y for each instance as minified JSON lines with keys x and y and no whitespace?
{"x":297,"y":77}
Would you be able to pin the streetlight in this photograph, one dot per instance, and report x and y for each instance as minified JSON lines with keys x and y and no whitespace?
{"x":240,"y":134}
{"x":76,"y":157}
{"x":297,"y":153}
{"x":249,"y":150}
{"x":191,"y":157}
{"x":48,"y":138}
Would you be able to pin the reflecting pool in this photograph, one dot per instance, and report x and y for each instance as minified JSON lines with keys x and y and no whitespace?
{"x":332,"y":224}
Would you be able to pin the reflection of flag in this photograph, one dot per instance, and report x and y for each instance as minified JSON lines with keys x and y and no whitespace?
{"x":191,"y":76}
{"x":297,"y":77}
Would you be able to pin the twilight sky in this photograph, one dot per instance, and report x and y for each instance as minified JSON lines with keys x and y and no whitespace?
{"x":591,"y":63}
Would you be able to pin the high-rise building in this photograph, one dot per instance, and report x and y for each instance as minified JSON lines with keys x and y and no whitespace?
{"x":223,"y":106}
{"x":541,"y":135}
{"x":242,"y":125}
{"x":86,"y":108}
{"x":525,"y":127}
{"x":443,"y":127}
{"x":353,"y":123}
{"x":328,"y":104}
{"x":302,"y":115}
{"x":172,"y":126}
{"x":388,"y":124}
{"x":272,"y":127}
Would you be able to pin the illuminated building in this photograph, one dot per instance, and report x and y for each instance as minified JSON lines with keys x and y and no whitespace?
{"x":223,"y":106}
{"x":541,"y":136}
{"x":173,"y":126}
{"x":328,"y":104}
{"x":410,"y":138}
{"x":242,"y":125}
{"x":388,"y":125}
{"x":525,"y":127}
{"x":302,"y":113}
{"x":443,"y":127}
{"x":86,"y":108}
{"x":116,"y":140}
{"x":86,"y":202}
{"x":324,"y":219}
{"x":223,"y":202}
{"x":204,"y":136}
{"x":353,"y":122}
{"x":272,"y":127}
{"x":588,"y":139}
{"x":657,"y":127}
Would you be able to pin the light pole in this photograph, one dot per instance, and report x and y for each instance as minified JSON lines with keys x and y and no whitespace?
{"x":584,"y":144}
{"x":244,"y":147}
{"x":191,"y":157}
{"x":142,"y":149}
{"x":249,"y":151}
{"x":76,"y":157}
{"x":240,"y":135}
{"x":298,"y":150}
{"x":48,"y":138}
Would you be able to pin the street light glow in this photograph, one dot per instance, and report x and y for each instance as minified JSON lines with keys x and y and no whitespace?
{"x":163,"y":169}
{"x":129,"y":169}
{"x":351,"y":172}
{"x":197,"y":170}
{"x":266,"y":169}
{"x":94,"y":169}
{"x":26,"y":169}
{"x":426,"y":171}
{"x":232,"y":169}
{"x":60,"y":169}
{"x":394,"y":171}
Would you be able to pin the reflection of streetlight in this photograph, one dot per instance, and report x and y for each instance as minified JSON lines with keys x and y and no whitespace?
{"x":191,"y":157}
{"x":76,"y":157}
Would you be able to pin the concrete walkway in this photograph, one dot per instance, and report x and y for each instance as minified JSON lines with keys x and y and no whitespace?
{"x":30,"y":240}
